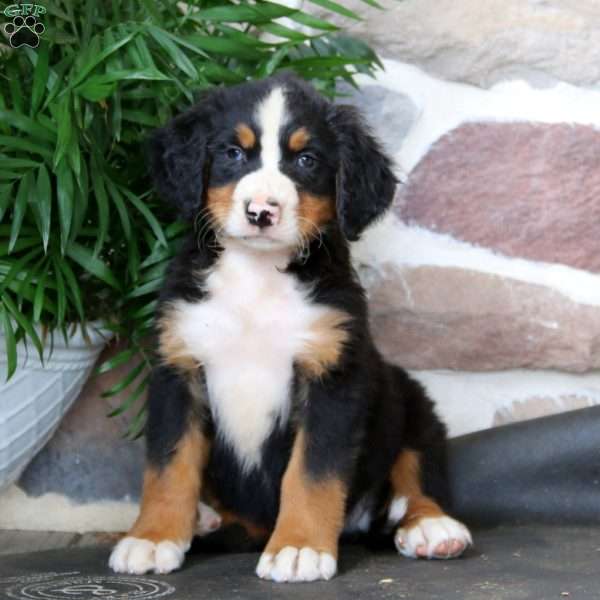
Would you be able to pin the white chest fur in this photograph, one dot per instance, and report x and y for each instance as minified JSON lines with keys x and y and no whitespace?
{"x":255,"y":320}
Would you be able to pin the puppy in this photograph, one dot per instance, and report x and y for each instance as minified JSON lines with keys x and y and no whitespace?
{"x":270,"y":399}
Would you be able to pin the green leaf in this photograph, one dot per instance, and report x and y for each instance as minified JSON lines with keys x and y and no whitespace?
{"x":73,"y":287}
{"x":43,"y":201}
{"x":147,"y":214}
{"x":121,"y":208}
{"x":94,"y":59}
{"x":14,"y":86}
{"x":27,"y":125}
{"x":10,"y":343}
{"x":336,"y":8}
{"x":138,"y":116}
{"x":125,"y":382}
{"x":314,"y":22}
{"x":40,"y":301}
{"x":165,"y":40}
{"x":61,"y":292}
{"x":93,"y":265}
{"x":64,"y":192}
{"x":40,"y":77}
{"x":17,"y":143}
{"x":115,"y":361}
{"x":225,"y":46}
{"x":20,"y":209}
{"x":5,"y":198}
{"x":65,"y":128}
{"x":17,"y":268}
{"x":131,"y":399}
{"x":103,"y":206}
{"x":239,"y":13}
{"x":95,"y":91}
{"x":24,"y":324}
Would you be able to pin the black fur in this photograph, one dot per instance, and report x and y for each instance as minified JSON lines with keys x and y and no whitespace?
{"x":361,"y":414}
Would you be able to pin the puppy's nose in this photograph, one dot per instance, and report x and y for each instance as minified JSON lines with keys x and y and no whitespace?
{"x":263,"y":214}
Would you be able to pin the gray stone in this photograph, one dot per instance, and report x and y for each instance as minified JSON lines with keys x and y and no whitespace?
{"x":484,"y":42}
{"x":451,"y":318}
{"x":525,"y":190}
{"x":389,"y":114}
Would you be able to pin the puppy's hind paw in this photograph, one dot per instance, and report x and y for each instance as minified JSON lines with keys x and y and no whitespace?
{"x":433,"y":537}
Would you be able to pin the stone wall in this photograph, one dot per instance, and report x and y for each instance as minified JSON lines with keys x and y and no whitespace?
{"x":484,"y":278}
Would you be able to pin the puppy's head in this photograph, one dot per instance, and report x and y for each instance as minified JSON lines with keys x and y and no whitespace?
{"x":272,"y":164}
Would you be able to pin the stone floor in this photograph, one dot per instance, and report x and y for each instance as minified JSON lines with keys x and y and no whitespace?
{"x":507,"y":563}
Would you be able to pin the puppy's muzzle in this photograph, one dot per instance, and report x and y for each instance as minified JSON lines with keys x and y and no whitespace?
{"x":263,"y":213}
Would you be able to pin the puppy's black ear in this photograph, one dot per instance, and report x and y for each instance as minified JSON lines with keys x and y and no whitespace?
{"x":178,"y":159}
{"x":365,"y":183}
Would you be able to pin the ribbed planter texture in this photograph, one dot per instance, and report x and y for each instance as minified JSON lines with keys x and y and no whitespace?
{"x":37,"y":396}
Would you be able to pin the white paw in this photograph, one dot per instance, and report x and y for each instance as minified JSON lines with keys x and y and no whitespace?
{"x":209,"y":519}
{"x":137,"y":556}
{"x":296,"y":564}
{"x":433,"y":537}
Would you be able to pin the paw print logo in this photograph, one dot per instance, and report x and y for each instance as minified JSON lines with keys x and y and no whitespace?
{"x":24,"y":31}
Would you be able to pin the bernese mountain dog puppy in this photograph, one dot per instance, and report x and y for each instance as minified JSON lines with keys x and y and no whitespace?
{"x":270,"y":401}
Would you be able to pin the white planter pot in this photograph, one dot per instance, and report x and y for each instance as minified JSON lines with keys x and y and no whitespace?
{"x":34,"y":400}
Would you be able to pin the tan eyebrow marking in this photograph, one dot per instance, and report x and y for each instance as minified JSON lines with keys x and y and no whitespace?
{"x":298,"y":139}
{"x":245,"y":136}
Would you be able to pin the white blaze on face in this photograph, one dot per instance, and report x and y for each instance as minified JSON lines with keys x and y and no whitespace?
{"x":267,"y":182}
{"x":271,"y":117}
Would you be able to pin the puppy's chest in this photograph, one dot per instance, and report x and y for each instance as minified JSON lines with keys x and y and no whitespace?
{"x":252,"y":325}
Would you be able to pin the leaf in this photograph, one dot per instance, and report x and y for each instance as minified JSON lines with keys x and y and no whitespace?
{"x":24,"y":324}
{"x":61,"y":292}
{"x":14,"y":86}
{"x":225,"y":46}
{"x":20,"y":208}
{"x":126,"y":381}
{"x":44,"y":203}
{"x":121,"y":208}
{"x":18,"y":143}
{"x":40,"y":300}
{"x":5,"y":198}
{"x":103,"y":206}
{"x":95,"y":91}
{"x":314,"y":22}
{"x":147,"y":214}
{"x":94,"y":59}
{"x":115,"y":361}
{"x":93,"y":265}
{"x":73,"y":287}
{"x":131,"y":399}
{"x":165,"y":40}
{"x":9,"y":342}
{"x":18,"y":267}
{"x":65,"y":128}
{"x":336,"y":8}
{"x":64,"y":192}
{"x":141,"y":117}
{"x":40,"y":77}
{"x":240,"y":13}
{"x":27,"y":125}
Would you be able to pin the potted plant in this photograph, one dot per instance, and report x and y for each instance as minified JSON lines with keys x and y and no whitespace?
{"x":83,"y":240}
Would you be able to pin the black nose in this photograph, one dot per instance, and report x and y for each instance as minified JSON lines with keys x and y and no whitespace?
{"x":261,"y":215}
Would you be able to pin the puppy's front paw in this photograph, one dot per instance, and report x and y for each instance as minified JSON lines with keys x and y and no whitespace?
{"x":137,"y":556}
{"x":433,"y":537}
{"x":296,"y":564}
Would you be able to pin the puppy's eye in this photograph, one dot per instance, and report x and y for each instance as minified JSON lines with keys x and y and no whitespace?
{"x":306,"y":161}
{"x":235,"y":153}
